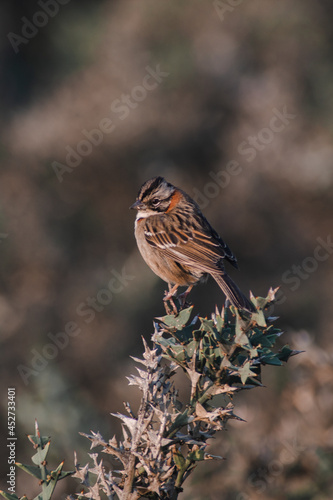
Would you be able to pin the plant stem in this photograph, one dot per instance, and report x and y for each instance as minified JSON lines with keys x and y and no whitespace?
{"x":130,"y":473}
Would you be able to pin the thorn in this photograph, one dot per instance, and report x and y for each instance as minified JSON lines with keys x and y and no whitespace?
{"x":144,"y":342}
{"x":37,"y":428}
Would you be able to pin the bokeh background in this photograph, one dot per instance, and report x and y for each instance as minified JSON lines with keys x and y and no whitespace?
{"x":225,"y":70}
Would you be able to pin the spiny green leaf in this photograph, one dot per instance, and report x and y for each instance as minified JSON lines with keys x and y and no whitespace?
{"x":270,"y":359}
{"x":181,"y":420}
{"x":245,"y":372}
{"x":61,"y":474}
{"x":178,"y":354}
{"x":259,"y":302}
{"x":40,"y":456}
{"x":240,"y":337}
{"x":166,"y":342}
{"x":267,"y":341}
{"x":179,"y":460}
{"x":9,"y":496}
{"x":274,"y":330}
{"x":196,"y":456}
{"x":225,"y":363}
{"x":40,"y":441}
{"x":177,"y":321}
{"x":286,"y":352}
{"x":241,"y":357}
{"x":259,"y":318}
{"x":228,"y":333}
{"x":190,"y":348}
{"x":183,"y":335}
{"x":262,"y":302}
{"x":33,"y":470}
{"x":218,"y":337}
{"x":208,"y":325}
{"x":271,"y":337}
{"x":48,"y":490}
{"x":256,"y":336}
{"x":253,"y":353}
{"x":207,"y":345}
{"x":210,"y":359}
{"x":219,"y":322}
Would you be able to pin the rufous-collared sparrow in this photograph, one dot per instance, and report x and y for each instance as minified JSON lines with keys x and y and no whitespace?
{"x":178,"y":243}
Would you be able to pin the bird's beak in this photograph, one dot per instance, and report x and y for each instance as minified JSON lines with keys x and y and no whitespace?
{"x":137,"y":205}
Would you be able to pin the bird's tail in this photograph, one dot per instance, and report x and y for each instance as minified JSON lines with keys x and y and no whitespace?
{"x":233,"y":293}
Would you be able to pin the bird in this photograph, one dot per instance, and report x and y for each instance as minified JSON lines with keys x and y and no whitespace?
{"x":178,"y":243}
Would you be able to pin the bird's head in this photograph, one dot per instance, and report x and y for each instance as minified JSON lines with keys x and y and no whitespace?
{"x":155,"y":196}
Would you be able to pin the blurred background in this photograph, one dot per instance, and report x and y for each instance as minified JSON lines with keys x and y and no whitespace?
{"x":231,"y":101}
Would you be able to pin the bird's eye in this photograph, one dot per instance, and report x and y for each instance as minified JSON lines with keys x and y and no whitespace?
{"x":155,"y":202}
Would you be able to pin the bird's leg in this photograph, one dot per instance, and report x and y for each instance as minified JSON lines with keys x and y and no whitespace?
{"x":171,"y":293}
{"x":169,"y":297}
{"x":183,"y":296}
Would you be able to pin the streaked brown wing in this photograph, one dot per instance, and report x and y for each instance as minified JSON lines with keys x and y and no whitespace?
{"x":188,"y":245}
